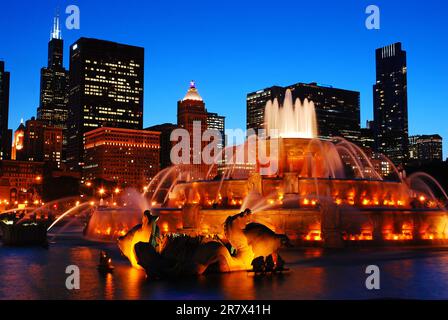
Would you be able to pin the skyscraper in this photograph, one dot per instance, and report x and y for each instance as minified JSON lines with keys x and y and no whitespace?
{"x":52,"y":108}
{"x":106,"y":89}
{"x":256,"y":104}
{"x":5,"y":133}
{"x":390,"y":103}
{"x":190,"y":111}
{"x":337,"y":110}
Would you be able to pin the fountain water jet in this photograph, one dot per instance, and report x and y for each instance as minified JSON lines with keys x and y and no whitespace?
{"x":292,"y":120}
{"x":67,"y":213}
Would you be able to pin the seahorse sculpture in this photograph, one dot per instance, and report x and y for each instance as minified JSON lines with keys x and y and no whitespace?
{"x":147,"y":231}
{"x":252,"y":240}
{"x":175,"y":255}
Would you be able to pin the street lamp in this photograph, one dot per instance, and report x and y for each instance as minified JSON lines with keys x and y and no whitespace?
{"x":116,"y":191}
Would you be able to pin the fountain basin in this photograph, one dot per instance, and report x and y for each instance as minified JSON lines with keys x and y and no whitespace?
{"x":304,"y":227}
{"x":108,"y":224}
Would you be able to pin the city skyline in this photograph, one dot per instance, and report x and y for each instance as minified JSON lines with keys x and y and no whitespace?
{"x":231,"y":151}
{"x":164,"y":86}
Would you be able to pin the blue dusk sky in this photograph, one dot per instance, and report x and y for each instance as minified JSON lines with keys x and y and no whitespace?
{"x":231,"y":48}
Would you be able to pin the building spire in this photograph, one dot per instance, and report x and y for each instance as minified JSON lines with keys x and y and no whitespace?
{"x":192,"y":93}
{"x":56,"y":33}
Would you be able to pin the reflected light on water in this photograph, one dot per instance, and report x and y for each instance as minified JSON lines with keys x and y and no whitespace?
{"x":415,"y":273}
{"x":109,"y":288}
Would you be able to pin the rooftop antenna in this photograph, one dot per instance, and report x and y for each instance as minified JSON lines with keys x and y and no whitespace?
{"x":56,"y":33}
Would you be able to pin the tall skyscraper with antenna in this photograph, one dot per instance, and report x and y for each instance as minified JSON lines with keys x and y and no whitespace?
{"x":52,"y":110}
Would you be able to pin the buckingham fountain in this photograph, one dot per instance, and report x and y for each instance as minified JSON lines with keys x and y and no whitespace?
{"x":327,"y":192}
{"x":321,"y":192}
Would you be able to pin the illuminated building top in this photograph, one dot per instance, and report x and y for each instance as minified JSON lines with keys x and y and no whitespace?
{"x":192,"y":93}
{"x":56,"y":33}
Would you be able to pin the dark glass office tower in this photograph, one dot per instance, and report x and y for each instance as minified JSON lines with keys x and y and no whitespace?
{"x":390,"y":103}
{"x":5,"y":133}
{"x":337,"y":110}
{"x":52,"y":108}
{"x":106,"y":90}
{"x":256,"y":104}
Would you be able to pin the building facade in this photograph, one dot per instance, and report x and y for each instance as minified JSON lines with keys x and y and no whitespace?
{"x":191,"y":112}
{"x":106,"y":90}
{"x":426,"y":148}
{"x":165,"y":130}
{"x":390,"y":103}
{"x":5,"y":133}
{"x":413,"y":148}
{"x":43,"y":143}
{"x":18,"y":145}
{"x":37,"y":141}
{"x":367,"y":137}
{"x":337,"y":110}
{"x":256,"y":104}
{"x":127,"y":157}
{"x":23,"y":179}
{"x":218,"y":123}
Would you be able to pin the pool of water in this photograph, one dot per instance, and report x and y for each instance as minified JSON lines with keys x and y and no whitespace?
{"x":406,"y":273}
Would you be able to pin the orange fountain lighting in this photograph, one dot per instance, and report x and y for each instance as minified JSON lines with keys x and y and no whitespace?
{"x":313,"y":235}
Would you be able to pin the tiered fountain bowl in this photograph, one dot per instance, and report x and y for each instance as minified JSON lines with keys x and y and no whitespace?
{"x":321,"y":191}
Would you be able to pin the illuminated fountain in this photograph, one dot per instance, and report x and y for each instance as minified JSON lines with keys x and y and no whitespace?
{"x":108,"y":224}
{"x":326,"y":191}
{"x":292,"y":120}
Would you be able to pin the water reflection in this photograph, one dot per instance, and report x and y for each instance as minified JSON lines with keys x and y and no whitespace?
{"x":315,"y":274}
{"x":109,"y":288}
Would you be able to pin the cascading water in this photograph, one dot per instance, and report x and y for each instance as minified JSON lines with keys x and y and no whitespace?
{"x":292,"y":119}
